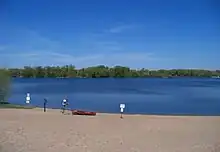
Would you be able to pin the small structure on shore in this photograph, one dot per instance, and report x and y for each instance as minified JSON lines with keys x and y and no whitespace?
{"x":122,"y":106}
{"x":28,"y":98}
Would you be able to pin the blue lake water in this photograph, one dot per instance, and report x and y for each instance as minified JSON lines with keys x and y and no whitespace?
{"x":182,"y":96}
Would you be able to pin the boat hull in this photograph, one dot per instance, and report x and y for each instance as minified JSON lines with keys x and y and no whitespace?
{"x":80,"y":112}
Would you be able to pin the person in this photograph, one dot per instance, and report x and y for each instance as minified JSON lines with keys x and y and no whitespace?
{"x":45,"y":103}
{"x":122,"y":106}
{"x":64,"y":104}
{"x":122,"y":110}
{"x":28,"y":98}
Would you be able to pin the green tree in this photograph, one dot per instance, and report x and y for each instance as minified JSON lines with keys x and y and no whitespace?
{"x":102,"y":71}
{"x":4,"y":85}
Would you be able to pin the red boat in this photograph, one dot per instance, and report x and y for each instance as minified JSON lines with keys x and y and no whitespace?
{"x":80,"y":112}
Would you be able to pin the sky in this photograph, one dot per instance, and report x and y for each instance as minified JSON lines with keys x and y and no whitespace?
{"x":153,"y":34}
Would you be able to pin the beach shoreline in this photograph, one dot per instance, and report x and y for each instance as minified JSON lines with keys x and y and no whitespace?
{"x":24,"y":106}
{"x":131,"y":114}
{"x":34,"y":130}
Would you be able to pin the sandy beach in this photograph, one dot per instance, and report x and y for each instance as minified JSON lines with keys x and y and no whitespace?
{"x":34,"y":131}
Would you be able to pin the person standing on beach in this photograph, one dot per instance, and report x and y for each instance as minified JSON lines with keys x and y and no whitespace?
{"x":45,"y":104}
{"x":64,"y":104}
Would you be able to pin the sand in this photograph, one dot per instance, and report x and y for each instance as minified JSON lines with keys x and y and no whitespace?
{"x":34,"y":131}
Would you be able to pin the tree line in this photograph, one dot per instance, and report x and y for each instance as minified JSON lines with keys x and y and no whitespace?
{"x":4,"y":85}
{"x":101,"y":71}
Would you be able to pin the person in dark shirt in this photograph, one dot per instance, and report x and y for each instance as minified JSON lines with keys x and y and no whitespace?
{"x":45,"y":104}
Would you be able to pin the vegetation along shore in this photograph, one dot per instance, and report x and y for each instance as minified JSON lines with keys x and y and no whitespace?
{"x":105,"y":72}
{"x":4,"y":104}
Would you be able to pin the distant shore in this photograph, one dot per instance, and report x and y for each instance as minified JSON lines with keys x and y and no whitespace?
{"x":102,"y":71}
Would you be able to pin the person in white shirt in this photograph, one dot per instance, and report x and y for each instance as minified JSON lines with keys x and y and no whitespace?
{"x":64,"y":104}
{"x":28,"y":98}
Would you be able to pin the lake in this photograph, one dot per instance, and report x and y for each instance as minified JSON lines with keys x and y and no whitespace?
{"x":182,"y":96}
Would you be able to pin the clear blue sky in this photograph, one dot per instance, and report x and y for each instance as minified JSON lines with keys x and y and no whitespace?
{"x":136,"y":33}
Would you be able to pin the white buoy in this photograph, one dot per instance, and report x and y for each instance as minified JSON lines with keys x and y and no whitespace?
{"x":28,"y":98}
{"x":122,"y":106}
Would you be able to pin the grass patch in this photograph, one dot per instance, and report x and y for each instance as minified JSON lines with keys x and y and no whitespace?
{"x":14,"y":106}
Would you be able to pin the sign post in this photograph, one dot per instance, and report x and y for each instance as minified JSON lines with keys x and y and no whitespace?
{"x":28,"y":98}
{"x":122,"y":106}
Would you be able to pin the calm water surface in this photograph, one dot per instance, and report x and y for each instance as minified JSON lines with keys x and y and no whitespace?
{"x":187,"y":96}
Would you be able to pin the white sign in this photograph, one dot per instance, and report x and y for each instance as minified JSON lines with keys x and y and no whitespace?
{"x":122,"y":106}
{"x":28,"y":98}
